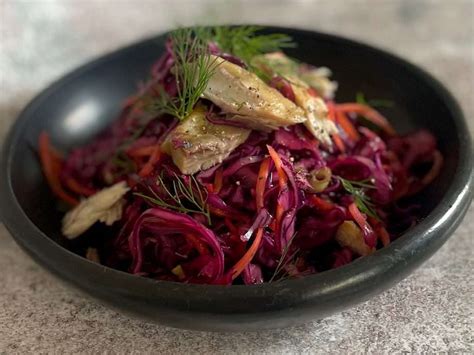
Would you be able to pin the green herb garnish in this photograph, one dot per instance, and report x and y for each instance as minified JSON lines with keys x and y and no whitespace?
{"x":194,"y":67}
{"x":357,"y":190}
{"x":182,"y":197}
{"x":192,"y":70}
{"x":245,"y":42}
{"x":360,"y":99}
{"x":280,"y":274}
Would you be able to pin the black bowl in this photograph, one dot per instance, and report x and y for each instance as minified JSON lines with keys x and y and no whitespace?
{"x":81,"y":104}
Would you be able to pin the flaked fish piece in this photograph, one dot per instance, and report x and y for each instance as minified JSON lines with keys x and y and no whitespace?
{"x":249,"y":99}
{"x":277,"y":63}
{"x":197,"y":144}
{"x":317,"y":119}
{"x":318,"y":78}
{"x":315,"y":109}
{"x":105,"y":206}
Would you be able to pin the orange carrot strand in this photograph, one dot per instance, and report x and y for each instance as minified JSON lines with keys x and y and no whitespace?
{"x":282,"y":178}
{"x":368,"y":112}
{"x":142,"y":151}
{"x":51,"y":169}
{"x":150,"y":164}
{"x":262,"y":178}
{"x":73,"y":185}
{"x":335,"y":136}
{"x":383,"y":235}
{"x":218,"y":177}
{"x":359,"y":218}
{"x":321,"y":204}
{"x":197,"y":244}
{"x":435,"y":169}
{"x":347,"y":126}
{"x":339,"y":142}
{"x":380,"y":230}
{"x":248,"y":256}
{"x":282,"y":182}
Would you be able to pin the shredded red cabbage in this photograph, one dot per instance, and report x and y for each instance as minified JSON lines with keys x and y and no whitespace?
{"x":293,"y":234}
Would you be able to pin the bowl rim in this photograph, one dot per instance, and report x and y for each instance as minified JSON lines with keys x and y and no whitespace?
{"x":350,"y":278}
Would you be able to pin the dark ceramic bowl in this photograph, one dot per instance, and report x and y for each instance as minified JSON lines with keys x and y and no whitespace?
{"x":81,"y":104}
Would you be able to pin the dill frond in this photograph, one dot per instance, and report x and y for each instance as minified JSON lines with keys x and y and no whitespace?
{"x":192,"y":70}
{"x":280,"y":274}
{"x":363,"y":202}
{"x":181,"y":196}
{"x":245,"y":42}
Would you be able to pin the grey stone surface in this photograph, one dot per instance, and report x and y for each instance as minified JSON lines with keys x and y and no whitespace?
{"x":431,"y":310}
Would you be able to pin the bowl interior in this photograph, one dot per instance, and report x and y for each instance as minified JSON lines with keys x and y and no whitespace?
{"x":89,"y":99}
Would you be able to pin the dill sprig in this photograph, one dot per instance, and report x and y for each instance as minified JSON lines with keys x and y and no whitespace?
{"x":280,"y":274}
{"x":194,"y":67}
{"x":245,"y":42}
{"x":183,"y":197}
{"x":360,"y":98}
{"x":357,"y":190}
{"x":192,"y":70}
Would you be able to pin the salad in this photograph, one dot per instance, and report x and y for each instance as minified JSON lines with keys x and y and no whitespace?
{"x":235,"y":164}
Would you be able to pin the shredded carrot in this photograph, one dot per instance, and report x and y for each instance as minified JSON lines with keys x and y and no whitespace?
{"x":321,"y":204}
{"x":339,"y":142}
{"x":279,"y":216}
{"x":380,"y":230}
{"x":359,"y":218}
{"x":416,"y":185}
{"x":221,"y":213}
{"x":51,"y":168}
{"x":142,"y":151}
{"x":383,"y":235}
{"x":335,"y":136}
{"x":73,"y":185}
{"x":313,"y":92}
{"x":218,"y":180}
{"x":282,"y":178}
{"x":209,"y":188}
{"x":282,"y":182}
{"x":435,"y":168}
{"x":272,"y":225}
{"x":248,"y":256}
{"x":262,"y":182}
{"x":347,"y":126}
{"x":368,"y":112}
{"x":147,"y":169}
{"x":57,"y":156}
{"x":129,"y":101}
{"x":331,"y":111}
{"x":136,"y":109}
{"x":198,"y":244}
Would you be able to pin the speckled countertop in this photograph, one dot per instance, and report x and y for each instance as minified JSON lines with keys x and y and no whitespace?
{"x":432,"y":310}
